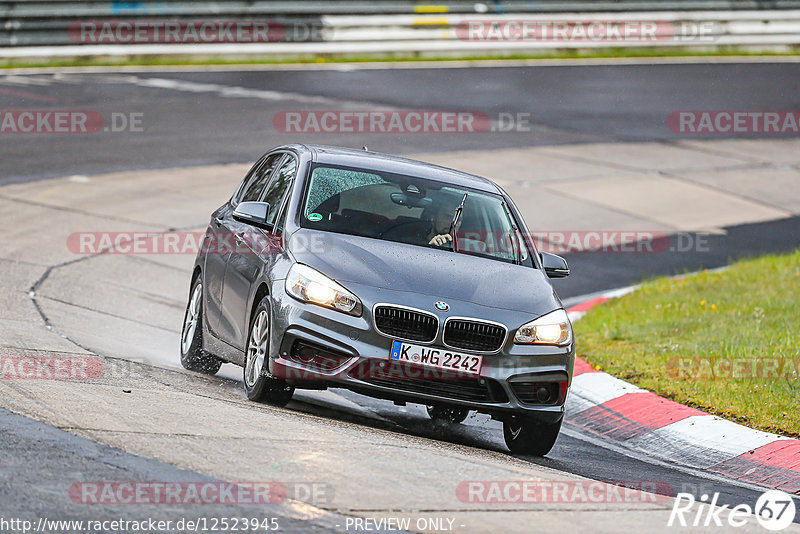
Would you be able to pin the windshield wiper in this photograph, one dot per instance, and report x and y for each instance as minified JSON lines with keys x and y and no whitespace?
{"x":456,"y":217}
{"x":514,"y":243}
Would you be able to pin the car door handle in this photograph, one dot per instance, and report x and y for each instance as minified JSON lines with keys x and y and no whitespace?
{"x":218,"y":219}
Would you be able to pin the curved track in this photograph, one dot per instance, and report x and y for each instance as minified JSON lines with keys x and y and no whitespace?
{"x":129,"y":307}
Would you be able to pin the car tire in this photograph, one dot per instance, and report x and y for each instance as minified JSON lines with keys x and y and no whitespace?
{"x":259,"y":385}
{"x":447,"y":415}
{"x":193,"y":357}
{"x":530,"y":436}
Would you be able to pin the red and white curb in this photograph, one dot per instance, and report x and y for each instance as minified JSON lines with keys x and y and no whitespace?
{"x":627,"y":415}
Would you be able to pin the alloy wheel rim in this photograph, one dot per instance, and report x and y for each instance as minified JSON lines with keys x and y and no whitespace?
{"x":192,"y":318}
{"x":257,"y":348}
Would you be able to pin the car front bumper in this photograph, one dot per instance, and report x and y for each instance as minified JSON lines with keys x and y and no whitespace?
{"x":314,"y":347}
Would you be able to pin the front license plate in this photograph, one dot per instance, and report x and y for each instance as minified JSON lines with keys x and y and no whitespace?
{"x":436,"y":358}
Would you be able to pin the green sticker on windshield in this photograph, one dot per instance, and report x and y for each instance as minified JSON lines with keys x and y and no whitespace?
{"x":314,"y":217}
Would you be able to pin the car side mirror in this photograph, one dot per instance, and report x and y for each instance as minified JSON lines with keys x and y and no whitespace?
{"x":253,"y":213}
{"x":554,"y":266}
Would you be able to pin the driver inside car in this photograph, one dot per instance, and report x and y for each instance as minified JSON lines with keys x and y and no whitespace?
{"x":440,"y":220}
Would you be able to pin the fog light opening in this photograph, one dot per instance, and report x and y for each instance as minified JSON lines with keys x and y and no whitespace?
{"x":543,"y":394}
{"x":316,"y":358}
{"x":305,"y":354}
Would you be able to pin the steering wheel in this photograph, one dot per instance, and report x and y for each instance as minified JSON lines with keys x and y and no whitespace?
{"x":394,"y":227}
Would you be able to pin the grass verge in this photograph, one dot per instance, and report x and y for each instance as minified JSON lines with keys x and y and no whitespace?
{"x":726,"y":342}
{"x":579,"y":54}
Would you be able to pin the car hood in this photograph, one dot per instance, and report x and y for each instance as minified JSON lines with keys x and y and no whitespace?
{"x":439,"y":273}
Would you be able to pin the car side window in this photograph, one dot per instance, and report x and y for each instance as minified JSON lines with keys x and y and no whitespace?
{"x":282,"y":220}
{"x":237,"y":195}
{"x":255,"y":184}
{"x":281,"y":179}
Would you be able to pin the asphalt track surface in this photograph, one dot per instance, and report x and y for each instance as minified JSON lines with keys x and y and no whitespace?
{"x":201,"y":120}
{"x":37,"y":458}
{"x":188,"y":122}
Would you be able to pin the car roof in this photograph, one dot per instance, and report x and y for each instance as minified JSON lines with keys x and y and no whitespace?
{"x":377,"y":161}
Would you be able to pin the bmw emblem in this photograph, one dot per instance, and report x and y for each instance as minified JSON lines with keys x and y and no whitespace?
{"x":442,"y":306}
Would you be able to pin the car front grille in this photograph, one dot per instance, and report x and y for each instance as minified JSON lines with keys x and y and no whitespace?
{"x":455,"y":387}
{"x":406,"y":324}
{"x":469,"y":390}
{"x":468,"y":334}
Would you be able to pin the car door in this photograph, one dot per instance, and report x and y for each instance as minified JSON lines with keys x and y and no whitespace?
{"x":256,"y":250}
{"x":219,"y":241}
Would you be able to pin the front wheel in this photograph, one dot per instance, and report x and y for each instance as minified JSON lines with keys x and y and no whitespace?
{"x":530,"y":436}
{"x":193,"y":357}
{"x":447,"y":415}
{"x":257,"y":385}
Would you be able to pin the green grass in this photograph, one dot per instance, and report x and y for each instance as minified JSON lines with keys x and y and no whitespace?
{"x":676,"y":338}
{"x":604,"y":53}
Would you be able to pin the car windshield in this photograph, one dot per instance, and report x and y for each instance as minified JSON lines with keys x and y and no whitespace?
{"x":412,"y":210}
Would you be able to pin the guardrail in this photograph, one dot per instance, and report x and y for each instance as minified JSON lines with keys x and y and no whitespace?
{"x":56,"y":27}
{"x":569,"y":30}
{"x":22,"y":9}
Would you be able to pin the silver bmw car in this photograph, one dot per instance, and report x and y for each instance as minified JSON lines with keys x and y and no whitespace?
{"x":397,"y":279}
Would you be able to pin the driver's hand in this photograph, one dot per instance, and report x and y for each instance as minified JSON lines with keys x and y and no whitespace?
{"x":440,"y":240}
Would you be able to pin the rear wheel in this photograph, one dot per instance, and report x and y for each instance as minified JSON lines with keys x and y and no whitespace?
{"x":193,"y":357}
{"x":446,"y":414}
{"x":259,"y":385}
{"x":530,"y":436}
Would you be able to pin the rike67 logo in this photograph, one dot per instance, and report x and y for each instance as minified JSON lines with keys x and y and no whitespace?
{"x":774,"y":510}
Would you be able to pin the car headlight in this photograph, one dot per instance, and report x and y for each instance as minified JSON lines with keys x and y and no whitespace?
{"x":551,"y":329}
{"x":309,"y":285}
